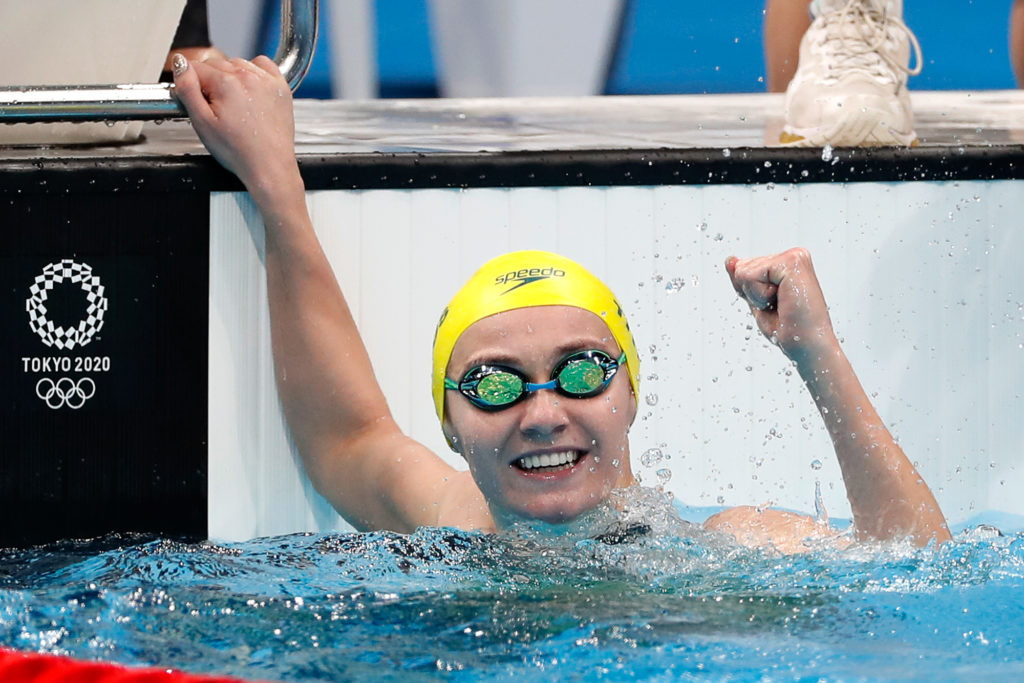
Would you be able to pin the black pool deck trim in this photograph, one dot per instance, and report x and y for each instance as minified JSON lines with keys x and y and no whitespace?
{"x":579,"y":168}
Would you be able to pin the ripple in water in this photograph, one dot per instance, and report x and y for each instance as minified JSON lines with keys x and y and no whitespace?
{"x":636,"y":592}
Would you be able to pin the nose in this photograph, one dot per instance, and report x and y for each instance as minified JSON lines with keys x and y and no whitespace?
{"x":544,"y":414}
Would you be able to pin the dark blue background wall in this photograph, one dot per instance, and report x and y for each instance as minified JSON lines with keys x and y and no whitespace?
{"x":681,"y":46}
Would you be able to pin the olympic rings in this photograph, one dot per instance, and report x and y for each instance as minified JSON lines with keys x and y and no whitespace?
{"x":65,"y":392}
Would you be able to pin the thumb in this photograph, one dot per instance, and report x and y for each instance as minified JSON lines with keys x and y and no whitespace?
{"x":730,"y":270}
{"x":189,"y":90}
{"x":753,"y":281}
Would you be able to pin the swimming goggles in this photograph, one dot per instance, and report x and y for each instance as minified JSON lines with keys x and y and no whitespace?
{"x":581,"y":374}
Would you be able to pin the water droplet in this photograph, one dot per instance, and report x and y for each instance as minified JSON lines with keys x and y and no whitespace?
{"x":651,"y":399}
{"x":674,"y":285}
{"x":664,"y":474}
{"x":651,"y":457}
{"x":826,"y":153}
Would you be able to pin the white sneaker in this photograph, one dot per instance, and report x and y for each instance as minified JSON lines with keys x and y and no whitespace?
{"x":850,"y":88}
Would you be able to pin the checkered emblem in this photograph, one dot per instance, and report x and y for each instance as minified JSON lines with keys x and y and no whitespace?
{"x":57,"y":335}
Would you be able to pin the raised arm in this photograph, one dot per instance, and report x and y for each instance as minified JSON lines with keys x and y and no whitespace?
{"x":353,"y":451}
{"x":887,"y":495}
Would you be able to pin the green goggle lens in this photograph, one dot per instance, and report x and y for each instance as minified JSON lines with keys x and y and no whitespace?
{"x":499,"y":388}
{"x":579,"y":375}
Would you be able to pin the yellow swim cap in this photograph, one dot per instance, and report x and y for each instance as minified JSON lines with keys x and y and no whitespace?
{"x":522,"y":279}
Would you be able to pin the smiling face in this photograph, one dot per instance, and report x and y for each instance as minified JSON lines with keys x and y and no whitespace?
{"x":548,"y":457}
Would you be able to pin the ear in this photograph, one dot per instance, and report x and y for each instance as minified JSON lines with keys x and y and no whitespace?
{"x":450,"y":436}
{"x":634,"y":406}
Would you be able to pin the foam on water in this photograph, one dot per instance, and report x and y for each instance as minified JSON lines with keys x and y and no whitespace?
{"x":648,"y":595}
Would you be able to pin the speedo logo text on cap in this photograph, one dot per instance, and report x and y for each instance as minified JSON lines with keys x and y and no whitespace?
{"x":525,"y":276}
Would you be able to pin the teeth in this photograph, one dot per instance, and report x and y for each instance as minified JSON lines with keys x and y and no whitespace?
{"x":562,"y":460}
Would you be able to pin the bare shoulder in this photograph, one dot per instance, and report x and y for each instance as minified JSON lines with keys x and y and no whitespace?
{"x":463,"y":506}
{"x":787,"y":532}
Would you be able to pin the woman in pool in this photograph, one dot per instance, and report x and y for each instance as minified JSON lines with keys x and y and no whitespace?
{"x":535,"y":375}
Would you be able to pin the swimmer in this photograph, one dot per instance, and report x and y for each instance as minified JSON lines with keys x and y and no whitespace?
{"x":535,"y":385}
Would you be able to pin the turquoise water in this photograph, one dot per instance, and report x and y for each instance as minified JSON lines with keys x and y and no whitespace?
{"x":670,"y":604}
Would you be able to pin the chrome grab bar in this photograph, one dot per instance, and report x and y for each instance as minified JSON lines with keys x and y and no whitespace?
{"x":142,"y":101}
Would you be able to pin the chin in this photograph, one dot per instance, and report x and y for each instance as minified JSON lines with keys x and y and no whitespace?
{"x":558,"y":508}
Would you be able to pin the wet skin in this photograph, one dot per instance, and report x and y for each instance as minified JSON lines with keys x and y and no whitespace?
{"x":242,"y":112}
{"x":594,"y":430}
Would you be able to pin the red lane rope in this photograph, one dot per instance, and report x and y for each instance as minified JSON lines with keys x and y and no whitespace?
{"x":30,"y":667}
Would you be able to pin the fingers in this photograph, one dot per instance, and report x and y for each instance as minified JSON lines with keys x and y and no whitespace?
{"x":760,"y":280}
{"x":189,"y":90}
{"x":760,"y":295}
{"x":199,"y":85}
{"x":267,"y":64}
{"x":756,"y":280}
{"x":236,"y":66}
{"x":245,"y":65}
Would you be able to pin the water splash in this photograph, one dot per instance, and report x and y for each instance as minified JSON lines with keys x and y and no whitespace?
{"x":648,"y":595}
{"x":820,"y":513}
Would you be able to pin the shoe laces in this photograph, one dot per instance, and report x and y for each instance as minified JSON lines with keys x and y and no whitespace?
{"x":864,"y":47}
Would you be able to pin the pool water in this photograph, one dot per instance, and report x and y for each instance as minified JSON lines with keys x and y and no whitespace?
{"x":657,"y":599}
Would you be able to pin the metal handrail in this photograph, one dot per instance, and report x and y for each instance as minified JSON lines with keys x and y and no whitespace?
{"x":139,"y":101}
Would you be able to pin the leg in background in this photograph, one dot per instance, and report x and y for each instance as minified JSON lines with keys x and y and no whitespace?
{"x":785,"y":22}
{"x":1017,"y":41}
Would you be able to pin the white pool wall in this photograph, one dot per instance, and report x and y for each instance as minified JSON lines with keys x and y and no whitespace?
{"x":922,"y":280}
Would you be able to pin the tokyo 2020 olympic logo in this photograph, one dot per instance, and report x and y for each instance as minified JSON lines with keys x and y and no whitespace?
{"x":66,"y":392}
{"x":59,"y":336}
